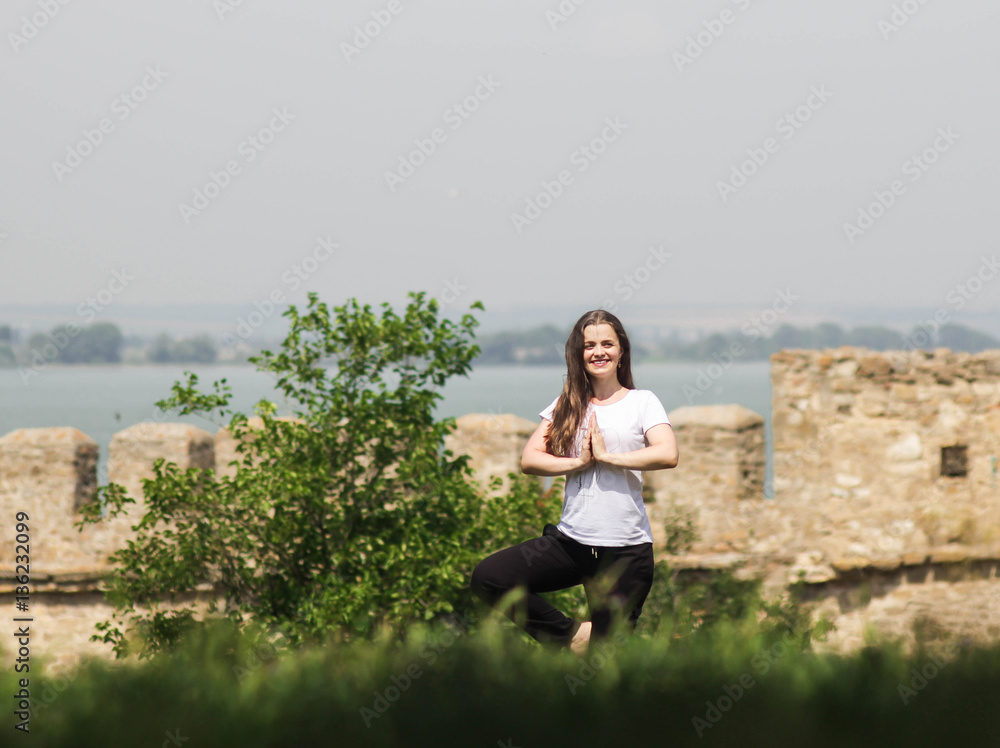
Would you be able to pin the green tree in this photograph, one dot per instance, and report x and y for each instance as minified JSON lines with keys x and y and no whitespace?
{"x":98,"y":344}
{"x":349,"y":517}
{"x":875,"y":337}
{"x":103,"y":342}
{"x":828,"y":335}
{"x":962,"y":338}
{"x":539,"y":345}
{"x":162,"y":350}
{"x":789,"y":336}
{"x":198,"y":350}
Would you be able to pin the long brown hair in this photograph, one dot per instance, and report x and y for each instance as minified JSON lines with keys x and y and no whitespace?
{"x":577,"y":391}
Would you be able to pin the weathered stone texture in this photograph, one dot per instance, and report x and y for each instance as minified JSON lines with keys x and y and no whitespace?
{"x":494,"y":444}
{"x":48,"y":474}
{"x":721,"y":481}
{"x":932,"y":603}
{"x":64,"y":621}
{"x":52,"y":473}
{"x":862,"y":464}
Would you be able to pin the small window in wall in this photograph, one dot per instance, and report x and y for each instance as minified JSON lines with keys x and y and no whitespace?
{"x":955,"y":461}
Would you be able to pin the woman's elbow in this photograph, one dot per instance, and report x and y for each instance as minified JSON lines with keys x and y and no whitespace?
{"x":526,"y":467}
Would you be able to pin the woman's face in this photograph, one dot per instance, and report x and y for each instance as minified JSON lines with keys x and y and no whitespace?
{"x":601,"y":350}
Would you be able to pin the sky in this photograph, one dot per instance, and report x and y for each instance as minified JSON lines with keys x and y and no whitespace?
{"x":524,"y":154}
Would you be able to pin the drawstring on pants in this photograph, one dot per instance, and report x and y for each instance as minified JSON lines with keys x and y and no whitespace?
{"x":594,"y":551}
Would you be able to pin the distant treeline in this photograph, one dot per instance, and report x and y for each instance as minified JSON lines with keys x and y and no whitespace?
{"x":545,"y":344}
{"x":199,"y":349}
{"x":103,"y":342}
{"x":99,"y":343}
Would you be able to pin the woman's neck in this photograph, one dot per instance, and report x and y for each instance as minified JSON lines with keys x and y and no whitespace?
{"x":605,"y":390}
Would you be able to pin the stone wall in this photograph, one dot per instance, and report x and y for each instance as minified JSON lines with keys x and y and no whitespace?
{"x":50,"y":474}
{"x":720,"y":470}
{"x":888,"y":455}
{"x":932,"y":600}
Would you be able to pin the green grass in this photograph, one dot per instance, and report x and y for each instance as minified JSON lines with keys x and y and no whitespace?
{"x":487,"y":684}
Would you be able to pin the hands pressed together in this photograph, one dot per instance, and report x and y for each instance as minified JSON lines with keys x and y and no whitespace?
{"x":593,"y":449}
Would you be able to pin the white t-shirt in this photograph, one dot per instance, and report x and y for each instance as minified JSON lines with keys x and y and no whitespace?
{"x":603,"y":505}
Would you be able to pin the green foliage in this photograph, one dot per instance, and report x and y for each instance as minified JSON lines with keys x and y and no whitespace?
{"x":681,"y":528}
{"x":709,"y":604}
{"x":443,"y":686}
{"x":349,"y":517}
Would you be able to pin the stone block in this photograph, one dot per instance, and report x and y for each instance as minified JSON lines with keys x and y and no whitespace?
{"x":845,"y":384}
{"x":874,"y":366}
{"x":49,"y":474}
{"x":724,"y":417}
{"x":493,"y":442}
{"x":134,"y":450}
{"x":905,"y":449}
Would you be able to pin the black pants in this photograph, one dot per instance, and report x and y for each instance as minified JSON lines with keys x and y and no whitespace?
{"x":615,"y":580}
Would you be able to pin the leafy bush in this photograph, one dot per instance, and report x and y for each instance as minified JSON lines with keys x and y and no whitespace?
{"x":348,"y":517}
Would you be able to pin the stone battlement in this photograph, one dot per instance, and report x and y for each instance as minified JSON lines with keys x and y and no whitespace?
{"x":888,"y":453}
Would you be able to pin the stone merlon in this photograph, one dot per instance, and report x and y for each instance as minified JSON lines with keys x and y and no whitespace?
{"x":725,"y":417}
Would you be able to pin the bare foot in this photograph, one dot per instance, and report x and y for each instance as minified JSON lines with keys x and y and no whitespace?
{"x":581,"y":639}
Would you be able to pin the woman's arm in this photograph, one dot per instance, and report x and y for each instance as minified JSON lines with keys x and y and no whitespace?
{"x":536,"y":461}
{"x":659,"y":455}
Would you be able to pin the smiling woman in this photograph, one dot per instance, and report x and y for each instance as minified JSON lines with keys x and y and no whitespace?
{"x":601,"y":433}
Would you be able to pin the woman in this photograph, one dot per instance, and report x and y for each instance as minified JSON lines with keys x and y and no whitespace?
{"x":600,"y":433}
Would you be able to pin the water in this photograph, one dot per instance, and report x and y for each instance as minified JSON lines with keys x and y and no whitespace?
{"x":102,"y":400}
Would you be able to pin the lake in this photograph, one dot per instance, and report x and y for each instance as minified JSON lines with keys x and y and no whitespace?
{"x":102,"y":400}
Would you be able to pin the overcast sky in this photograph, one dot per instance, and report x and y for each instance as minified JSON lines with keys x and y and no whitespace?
{"x":414,"y":135}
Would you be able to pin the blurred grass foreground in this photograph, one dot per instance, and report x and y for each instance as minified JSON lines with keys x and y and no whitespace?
{"x":481,"y":683}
